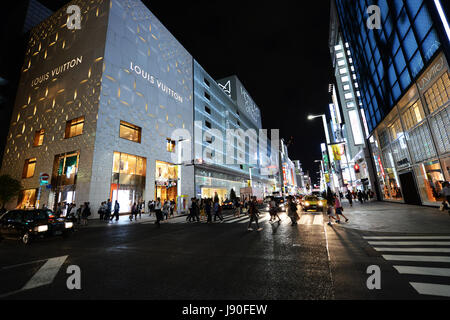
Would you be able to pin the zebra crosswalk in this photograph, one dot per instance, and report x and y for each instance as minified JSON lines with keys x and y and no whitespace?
{"x":424,"y":260}
{"x":306,"y":219}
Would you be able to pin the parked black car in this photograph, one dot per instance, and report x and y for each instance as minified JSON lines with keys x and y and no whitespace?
{"x":26,"y":225}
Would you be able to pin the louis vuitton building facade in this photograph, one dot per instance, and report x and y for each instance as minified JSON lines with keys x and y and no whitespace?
{"x":96,"y":109}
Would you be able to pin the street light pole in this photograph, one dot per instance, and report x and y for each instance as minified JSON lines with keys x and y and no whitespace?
{"x":327,"y":134}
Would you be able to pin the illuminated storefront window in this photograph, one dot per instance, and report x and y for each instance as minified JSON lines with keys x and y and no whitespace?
{"x":166,"y":181}
{"x":446,"y":167}
{"x":392,"y":183}
{"x":64,"y":176}
{"x":430,"y":178}
{"x":27,"y":199}
{"x":128,"y":180}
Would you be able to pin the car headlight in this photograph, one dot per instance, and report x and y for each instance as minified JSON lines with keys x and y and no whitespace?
{"x":320,"y":204}
{"x":68,"y":225}
{"x":307,"y":204}
{"x":41,"y":228}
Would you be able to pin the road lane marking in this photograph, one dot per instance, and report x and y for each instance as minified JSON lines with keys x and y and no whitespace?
{"x":318,"y":220}
{"x":438,"y":272}
{"x":22,"y":264}
{"x":417,"y":258}
{"x":410,"y":243}
{"x":407,"y":238}
{"x":46,"y":274}
{"x":431,"y":289}
{"x":415,"y":250}
{"x":305,"y":220}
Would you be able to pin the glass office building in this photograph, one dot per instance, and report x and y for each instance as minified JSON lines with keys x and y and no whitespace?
{"x":404,"y":88}
{"x":220,"y":106}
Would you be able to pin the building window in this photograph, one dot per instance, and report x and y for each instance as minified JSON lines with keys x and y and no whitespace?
{"x":171,"y":146}
{"x":208,"y":124}
{"x":39,"y":138}
{"x":239,"y":124}
{"x":414,"y":115}
{"x":207,"y":110}
{"x":130,"y":132}
{"x":439,"y":94}
{"x":207,"y":96}
{"x":74,"y":128}
{"x":396,"y":130}
{"x":29,"y":168}
{"x":237,"y":112}
{"x":206,"y":82}
{"x":209,"y":139}
{"x":128,"y":180}
{"x":349,"y":96}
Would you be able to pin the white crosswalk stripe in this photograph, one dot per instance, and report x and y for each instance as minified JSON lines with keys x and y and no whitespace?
{"x":410,"y":243}
{"x":430,"y":289}
{"x":413,"y":250}
{"x":437,"y":272}
{"x":407,"y":238}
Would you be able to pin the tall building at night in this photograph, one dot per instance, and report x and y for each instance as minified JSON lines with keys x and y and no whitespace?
{"x":219,"y":107}
{"x":117,"y":119}
{"x":400,"y":75}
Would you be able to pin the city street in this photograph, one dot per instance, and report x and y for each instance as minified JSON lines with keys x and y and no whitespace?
{"x":224,"y":261}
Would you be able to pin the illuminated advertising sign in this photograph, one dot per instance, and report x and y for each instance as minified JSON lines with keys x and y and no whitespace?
{"x":285,"y":175}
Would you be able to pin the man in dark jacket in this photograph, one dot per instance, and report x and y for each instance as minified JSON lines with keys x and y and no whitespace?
{"x":254,"y":214}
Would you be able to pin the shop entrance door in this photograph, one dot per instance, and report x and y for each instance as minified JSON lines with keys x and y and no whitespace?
{"x":410,"y":193}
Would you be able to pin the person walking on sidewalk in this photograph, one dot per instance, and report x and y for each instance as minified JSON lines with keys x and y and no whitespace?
{"x":339,"y":210}
{"x":116,"y":211}
{"x":254,"y":215}
{"x":202,"y":210}
{"x":446,"y":195}
{"x":330,"y":207}
{"x":208,"y":210}
{"x":158,"y":212}
{"x":166,"y":210}
{"x":292,"y":211}
{"x":350,"y":198}
{"x":85,"y":214}
{"x":172,"y":208}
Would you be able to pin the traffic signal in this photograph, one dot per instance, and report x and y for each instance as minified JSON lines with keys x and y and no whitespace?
{"x":357,"y":168}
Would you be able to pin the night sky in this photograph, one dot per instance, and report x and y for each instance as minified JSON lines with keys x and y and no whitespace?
{"x":278,"y":50}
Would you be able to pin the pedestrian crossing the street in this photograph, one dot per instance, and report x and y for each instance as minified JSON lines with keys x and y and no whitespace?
{"x":423,"y":260}
{"x":306,"y":219}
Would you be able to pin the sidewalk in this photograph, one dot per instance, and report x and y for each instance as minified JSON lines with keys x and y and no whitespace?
{"x":393,"y":217}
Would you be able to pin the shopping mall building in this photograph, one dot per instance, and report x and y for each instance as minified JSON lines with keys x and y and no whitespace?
{"x":400,"y":74}
{"x":108,"y":111}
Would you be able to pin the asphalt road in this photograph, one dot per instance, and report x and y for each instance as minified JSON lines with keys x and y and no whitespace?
{"x":224,"y":261}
